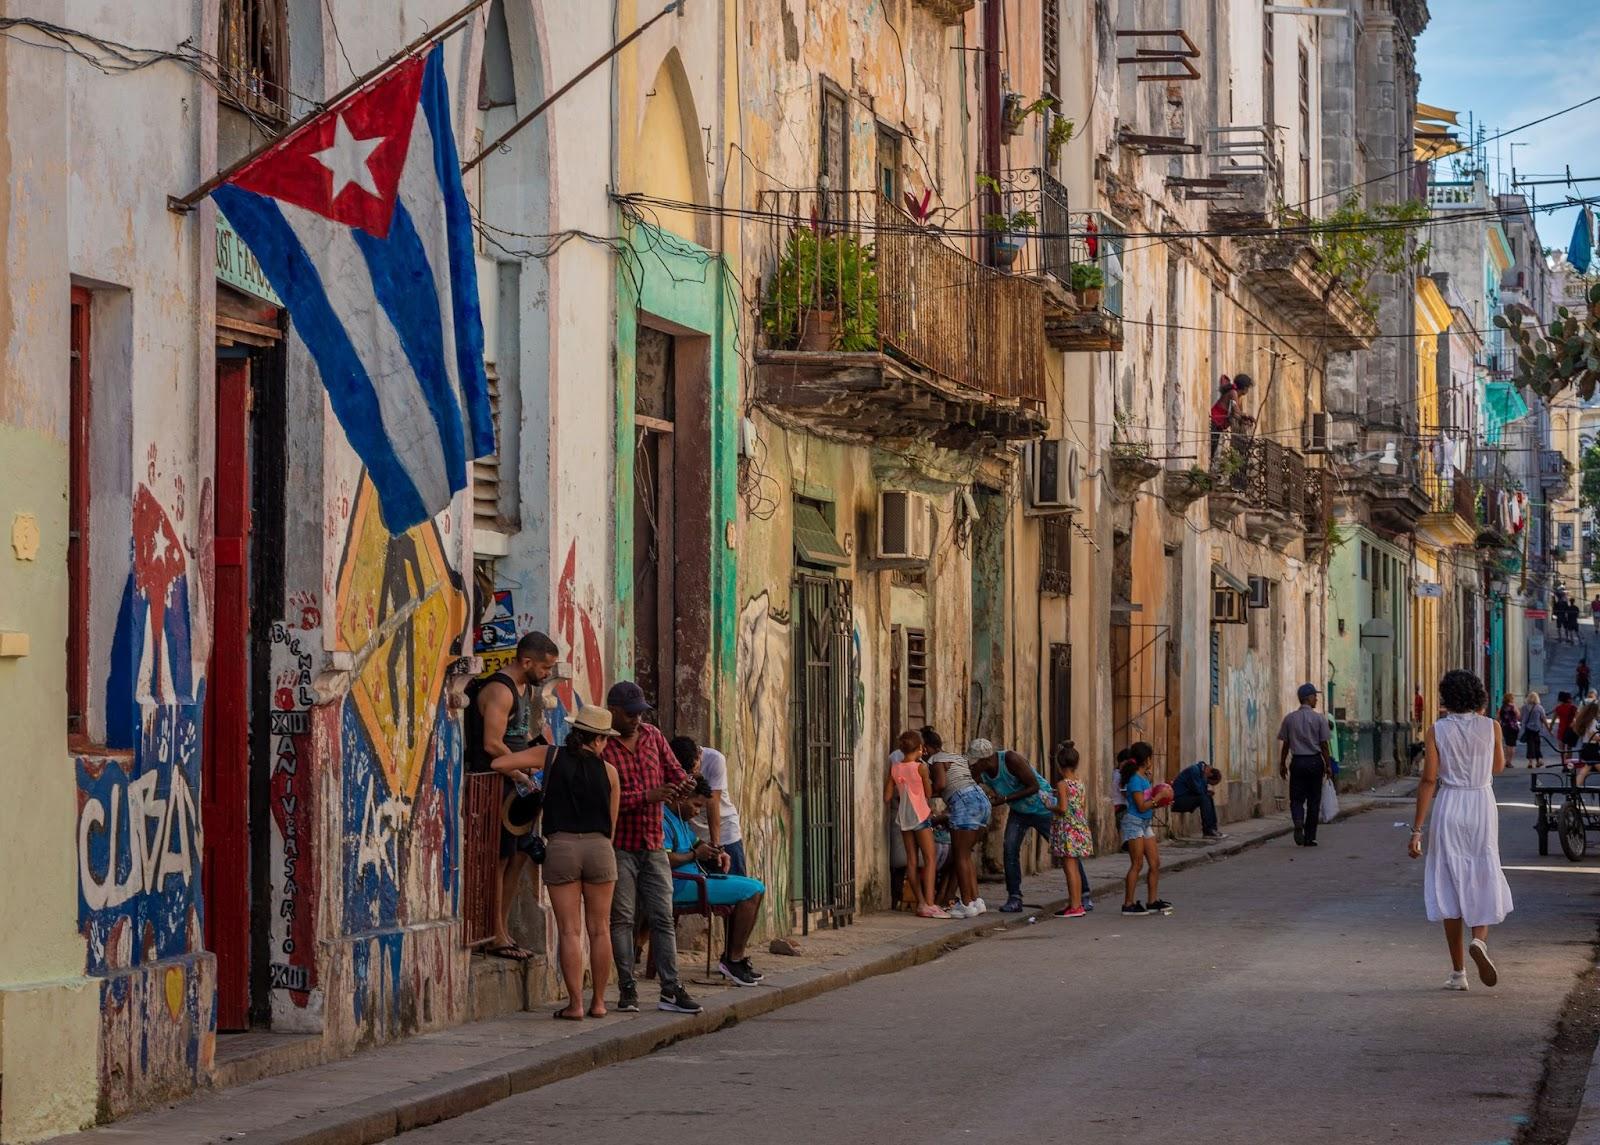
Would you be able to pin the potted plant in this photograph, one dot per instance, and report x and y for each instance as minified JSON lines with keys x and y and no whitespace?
{"x":1088,"y":282}
{"x":1059,"y":135}
{"x":824,"y":294}
{"x":1183,"y":487}
{"x":1014,"y":113}
{"x":1131,"y":466}
{"x":1005,"y":227}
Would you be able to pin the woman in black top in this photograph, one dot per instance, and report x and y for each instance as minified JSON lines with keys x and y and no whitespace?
{"x":581,"y":794}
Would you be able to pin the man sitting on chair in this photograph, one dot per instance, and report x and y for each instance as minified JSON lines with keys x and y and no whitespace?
{"x":689,"y":855}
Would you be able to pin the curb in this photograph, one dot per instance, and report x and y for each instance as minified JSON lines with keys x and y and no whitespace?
{"x":468,"y":1090}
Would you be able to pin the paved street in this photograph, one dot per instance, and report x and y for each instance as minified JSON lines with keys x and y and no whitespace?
{"x":1294,"y":994}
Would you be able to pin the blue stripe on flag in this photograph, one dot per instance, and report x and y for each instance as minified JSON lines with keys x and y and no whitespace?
{"x":403,"y":283}
{"x":260,"y":223}
{"x":463,"y":265}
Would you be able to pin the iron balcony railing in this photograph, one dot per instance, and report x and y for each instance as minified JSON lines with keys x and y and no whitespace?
{"x":1452,"y":493}
{"x":1063,"y":239}
{"x":1318,"y":506}
{"x":1267,"y":474}
{"x":855,"y":273}
{"x":1245,"y":150}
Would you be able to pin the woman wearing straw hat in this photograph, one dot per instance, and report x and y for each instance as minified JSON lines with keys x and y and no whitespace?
{"x":581,"y":793}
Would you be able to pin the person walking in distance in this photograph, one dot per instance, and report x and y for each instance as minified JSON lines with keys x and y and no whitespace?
{"x":649,"y":776}
{"x":1510,"y":718}
{"x":1462,"y":883}
{"x":1304,"y":760}
{"x":1534,"y":724}
{"x":581,"y":794}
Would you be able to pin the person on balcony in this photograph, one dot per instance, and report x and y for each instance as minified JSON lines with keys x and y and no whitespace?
{"x":1226,"y":414}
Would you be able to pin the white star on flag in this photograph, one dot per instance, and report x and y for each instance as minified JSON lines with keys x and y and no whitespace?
{"x":347,"y":158}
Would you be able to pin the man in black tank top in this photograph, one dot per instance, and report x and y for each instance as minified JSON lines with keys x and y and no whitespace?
{"x":508,"y":744}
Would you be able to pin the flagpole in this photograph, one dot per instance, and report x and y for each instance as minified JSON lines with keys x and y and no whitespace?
{"x":184,"y":204}
{"x":674,"y":6}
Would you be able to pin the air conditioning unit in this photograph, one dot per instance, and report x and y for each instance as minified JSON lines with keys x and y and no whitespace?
{"x":1260,"y":592}
{"x":1227,"y":605}
{"x":1053,"y":472}
{"x":905,"y":526}
{"x":1316,"y":435}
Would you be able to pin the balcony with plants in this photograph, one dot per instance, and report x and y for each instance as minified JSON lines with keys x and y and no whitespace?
{"x":1075,"y":256}
{"x":1263,"y":482}
{"x":873,"y":325}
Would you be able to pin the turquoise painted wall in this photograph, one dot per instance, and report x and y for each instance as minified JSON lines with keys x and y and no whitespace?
{"x":683,"y":284}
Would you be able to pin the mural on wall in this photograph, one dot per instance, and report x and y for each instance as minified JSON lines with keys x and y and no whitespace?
{"x":1250,"y":723}
{"x":139,"y":834}
{"x":580,"y":646}
{"x":291,"y":796}
{"x":764,"y":644}
{"x":401,"y":611}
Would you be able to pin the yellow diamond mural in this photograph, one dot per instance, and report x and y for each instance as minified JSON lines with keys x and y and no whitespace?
{"x":399,"y":611}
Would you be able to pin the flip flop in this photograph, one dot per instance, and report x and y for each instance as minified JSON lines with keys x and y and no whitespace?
{"x":563,"y":1016}
{"x":510,"y":951}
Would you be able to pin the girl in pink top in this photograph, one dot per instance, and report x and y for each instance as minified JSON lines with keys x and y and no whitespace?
{"x":908,"y":778}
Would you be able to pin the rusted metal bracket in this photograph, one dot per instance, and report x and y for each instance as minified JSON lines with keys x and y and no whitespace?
{"x":1155,"y":144}
{"x":1168,"y":53}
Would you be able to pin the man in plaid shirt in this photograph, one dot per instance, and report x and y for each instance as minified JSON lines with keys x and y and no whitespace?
{"x":649,"y":775}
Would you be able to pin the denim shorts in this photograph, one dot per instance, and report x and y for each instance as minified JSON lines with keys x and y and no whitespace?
{"x":1134,"y":827}
{"x":969,"y":809}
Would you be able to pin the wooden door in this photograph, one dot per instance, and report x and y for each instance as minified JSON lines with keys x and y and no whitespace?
{"x":225,"y":791}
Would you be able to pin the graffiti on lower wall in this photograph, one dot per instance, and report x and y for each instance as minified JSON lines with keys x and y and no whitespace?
{"x":291,"y":801}
{"x":402,"y":613}
{"x":763,"y":786}
{"x":580,"y":645}
{"x":1245,"y":700}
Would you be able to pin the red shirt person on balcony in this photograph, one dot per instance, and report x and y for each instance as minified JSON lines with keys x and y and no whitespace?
{"x":1226,"y":415}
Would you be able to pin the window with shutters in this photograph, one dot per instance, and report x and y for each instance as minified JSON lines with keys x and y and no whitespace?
{"x":1269,"y":78}
{"x":253,"y":58}
{"x":833,"y":153}
{"x":917,"y":676}
{"x":1050,"y":41}
{"x":1055,"y":556}
{"x":889,"y":163}
{"x":486,"y":470}
{"x":1304,"y":100}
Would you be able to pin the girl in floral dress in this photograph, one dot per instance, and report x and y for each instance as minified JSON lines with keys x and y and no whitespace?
{"x":1070,"y":840}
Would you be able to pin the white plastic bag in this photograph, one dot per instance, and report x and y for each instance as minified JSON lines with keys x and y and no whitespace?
{"x":1330,"y":802}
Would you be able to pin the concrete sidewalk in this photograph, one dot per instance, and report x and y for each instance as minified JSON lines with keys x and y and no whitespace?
{"x":433,"y":1077}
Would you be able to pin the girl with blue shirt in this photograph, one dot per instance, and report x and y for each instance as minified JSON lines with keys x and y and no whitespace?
{"x":1139,"y":833}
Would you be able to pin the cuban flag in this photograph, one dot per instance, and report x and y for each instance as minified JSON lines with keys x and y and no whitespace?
{"x":360,"y":223}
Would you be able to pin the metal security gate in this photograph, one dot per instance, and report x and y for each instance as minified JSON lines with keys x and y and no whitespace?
{"x":824,"y":747}
{"x":1139,"y":678}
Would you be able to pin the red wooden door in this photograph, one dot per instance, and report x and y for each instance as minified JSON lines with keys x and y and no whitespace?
{"x":225,"y":793}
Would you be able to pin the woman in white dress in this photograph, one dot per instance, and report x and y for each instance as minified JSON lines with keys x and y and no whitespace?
{"x":1462,"y":884}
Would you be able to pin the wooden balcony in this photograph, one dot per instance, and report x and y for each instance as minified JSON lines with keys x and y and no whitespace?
{"x":875,"y":327}
{"x":1066,"y":254}
{"x":1452,"y":518}
{"x":1288,"y":274}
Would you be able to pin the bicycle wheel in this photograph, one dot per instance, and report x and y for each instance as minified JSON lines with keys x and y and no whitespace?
{"x":1574,"y":836}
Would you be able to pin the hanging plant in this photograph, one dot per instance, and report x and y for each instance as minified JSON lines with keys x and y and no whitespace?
{"x":1354,"y":243}
{"x":1058,"y":137}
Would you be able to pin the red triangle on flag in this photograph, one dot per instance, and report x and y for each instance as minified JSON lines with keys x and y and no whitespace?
{"x":346,"y":163}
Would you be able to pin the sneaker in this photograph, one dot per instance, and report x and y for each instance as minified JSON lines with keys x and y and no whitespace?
{"x":1068,"y":912}
{"x":1134,"y":910}
{"x":1487,"y":974}
{"x":1215,"y":835}
{"x":930,"y":911}
{"x":1299,"y":836}
{"x":976,"y":907}
{"x":1160,"y":906}
{"x":1012,"y":905}
{"x":1457,"y":980}
{"x":628,"y":1000}
{"x":678,"y":1002}
{"x":734,"y":972}
{"x":1311,"y":842}
{"x":1088,"y":904}
{"x":960,"y":910}
{"x":750,"y":971}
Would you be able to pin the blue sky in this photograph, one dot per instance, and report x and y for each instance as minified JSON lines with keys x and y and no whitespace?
{"x":1509,"y":61}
